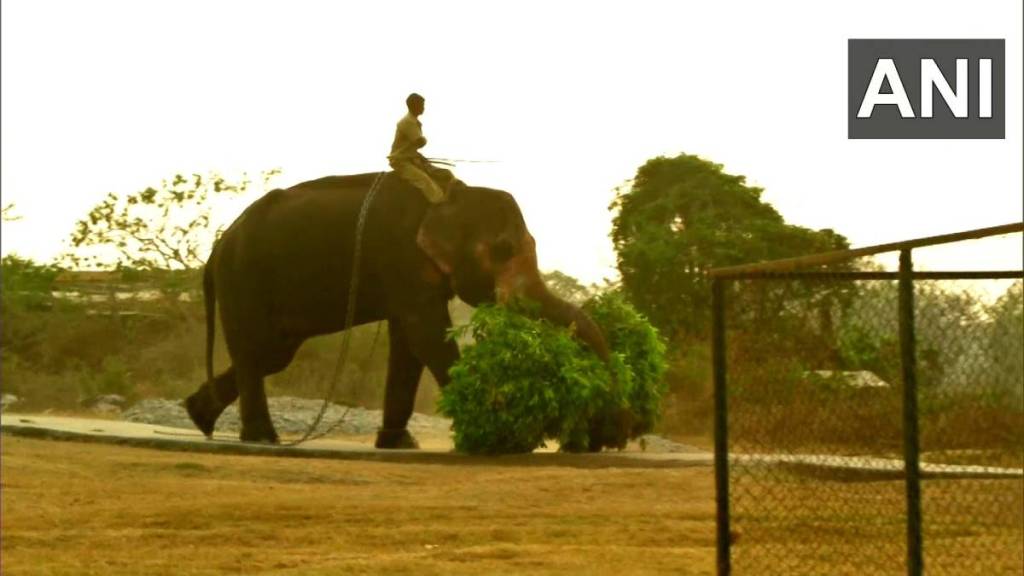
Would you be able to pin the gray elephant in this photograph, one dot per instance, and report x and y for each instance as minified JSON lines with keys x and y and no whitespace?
{"x":281,"y":274}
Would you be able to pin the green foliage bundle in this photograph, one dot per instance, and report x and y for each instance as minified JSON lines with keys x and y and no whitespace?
{"x":642,"y":384}
{"x":525,"y":380}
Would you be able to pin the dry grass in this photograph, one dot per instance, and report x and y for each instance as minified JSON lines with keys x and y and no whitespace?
{"x":795,"y":524}
{"x":74,"y":508}
{"x":71,"y":508}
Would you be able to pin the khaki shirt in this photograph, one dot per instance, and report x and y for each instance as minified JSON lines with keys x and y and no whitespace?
{"x":405,"y":147}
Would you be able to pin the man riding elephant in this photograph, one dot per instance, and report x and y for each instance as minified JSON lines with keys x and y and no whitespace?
{"x":405,"y":159}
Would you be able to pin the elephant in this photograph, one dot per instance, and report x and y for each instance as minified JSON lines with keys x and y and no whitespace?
{"x":281,"y":272}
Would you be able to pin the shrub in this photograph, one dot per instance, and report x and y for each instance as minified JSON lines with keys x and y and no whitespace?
{"x":25,"y":285}
{"x":525,"y":380}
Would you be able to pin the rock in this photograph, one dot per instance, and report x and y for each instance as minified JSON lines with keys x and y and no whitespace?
{"x":104,"y":408}
{"x":8,"y":400}
{"x":105,"y":403}
{"x":158,"y":411}
{"x":654,"y":443}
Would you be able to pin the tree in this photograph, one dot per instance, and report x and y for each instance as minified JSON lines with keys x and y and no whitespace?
{"x":1005,"y":342}
{"x":568,"y":288}
{"x":680,"y":217}
{"x":25,"y":284}
{"x":166,"y":228}
{"x":7,"y":213}
{"x":949,"y":333}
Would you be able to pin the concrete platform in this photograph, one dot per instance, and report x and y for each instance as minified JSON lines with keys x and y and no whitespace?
{"x":433,"y":451}
{"x":438,"y":450}
{"x":867,"y":468}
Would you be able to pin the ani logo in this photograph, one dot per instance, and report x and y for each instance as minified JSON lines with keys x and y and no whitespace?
{"x":927,"y":89}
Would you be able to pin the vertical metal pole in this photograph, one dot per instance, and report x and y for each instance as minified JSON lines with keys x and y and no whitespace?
{"x":911,"y":440}
{"x":721,"y":425}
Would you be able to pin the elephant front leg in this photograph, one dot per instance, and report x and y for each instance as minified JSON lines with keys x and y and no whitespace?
{"x":415,"y":341}
{"x":404,"y":371}
{"x":427,"y":334}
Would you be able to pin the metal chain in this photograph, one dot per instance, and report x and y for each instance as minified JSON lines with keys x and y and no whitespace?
{"x":347,"y":330}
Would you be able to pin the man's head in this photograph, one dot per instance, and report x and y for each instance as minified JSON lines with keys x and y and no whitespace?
{"x":415,"y":103}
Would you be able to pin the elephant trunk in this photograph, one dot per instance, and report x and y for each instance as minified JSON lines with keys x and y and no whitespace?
{"x":564,"y":313}
{"x":521,"y":278}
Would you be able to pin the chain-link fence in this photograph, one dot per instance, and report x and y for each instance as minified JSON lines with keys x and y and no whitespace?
{"x":870,"y":422}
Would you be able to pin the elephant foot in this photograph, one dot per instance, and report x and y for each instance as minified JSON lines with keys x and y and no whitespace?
{"x":263,"y":434}
{"x":202,"y":414}
{"x":396,"y":438}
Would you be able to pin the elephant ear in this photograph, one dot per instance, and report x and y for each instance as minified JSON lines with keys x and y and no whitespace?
{"x":440,"y":234}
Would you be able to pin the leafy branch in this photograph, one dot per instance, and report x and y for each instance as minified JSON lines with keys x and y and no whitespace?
{"x":165,"y":227}
{"x":7,"y":213}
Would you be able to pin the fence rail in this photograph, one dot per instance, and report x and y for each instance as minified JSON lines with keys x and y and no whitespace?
{"x":825,"y":258}
{"x":805,"y":459}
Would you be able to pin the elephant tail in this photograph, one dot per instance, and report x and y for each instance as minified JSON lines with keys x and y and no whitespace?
{"x":210,"y":299}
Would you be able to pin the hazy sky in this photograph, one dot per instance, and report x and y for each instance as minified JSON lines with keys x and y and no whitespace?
{"x":568,"y":97}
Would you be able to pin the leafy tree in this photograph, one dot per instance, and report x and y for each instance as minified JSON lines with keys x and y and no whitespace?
{"x":25,"y":284}
{"x":963,"y":345}
{"x":680,"y":217}
{"x":567,"y":287}
{"x":7,"y":213}
{"x":167,"y":227}
{"x":1005,"y":342}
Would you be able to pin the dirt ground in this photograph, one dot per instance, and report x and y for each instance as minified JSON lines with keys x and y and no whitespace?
{"x":76,"y":508}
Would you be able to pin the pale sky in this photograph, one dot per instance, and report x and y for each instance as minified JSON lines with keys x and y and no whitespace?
{"x":568,"y":98}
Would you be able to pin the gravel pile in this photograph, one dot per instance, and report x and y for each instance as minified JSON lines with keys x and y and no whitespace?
{"x":290,"y":416}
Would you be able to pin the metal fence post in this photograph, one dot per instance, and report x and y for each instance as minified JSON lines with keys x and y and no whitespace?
{"x":721,"y":425}
{"x":911,"y":440}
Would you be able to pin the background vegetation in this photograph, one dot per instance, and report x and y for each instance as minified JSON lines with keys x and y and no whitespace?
{"x":136,"y":328}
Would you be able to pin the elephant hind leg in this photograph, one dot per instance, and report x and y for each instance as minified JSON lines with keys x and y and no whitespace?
{"x":253,"y":409}
{"x":205,"y":405}
{"x":252,"y":402}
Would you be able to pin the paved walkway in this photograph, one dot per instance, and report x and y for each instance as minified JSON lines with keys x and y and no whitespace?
{"x":433,"y":451}
{"x":438,"y":450}
{"x":869,"y":467}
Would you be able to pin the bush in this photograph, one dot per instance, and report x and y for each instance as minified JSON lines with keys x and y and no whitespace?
{"x":524,"y":381}
{"x":25,"y":285}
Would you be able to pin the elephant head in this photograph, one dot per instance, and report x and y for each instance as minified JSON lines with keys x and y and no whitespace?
{"x":480,"y":241}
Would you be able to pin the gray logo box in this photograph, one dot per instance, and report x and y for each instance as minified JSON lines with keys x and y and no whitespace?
{"x":887,"y":121}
